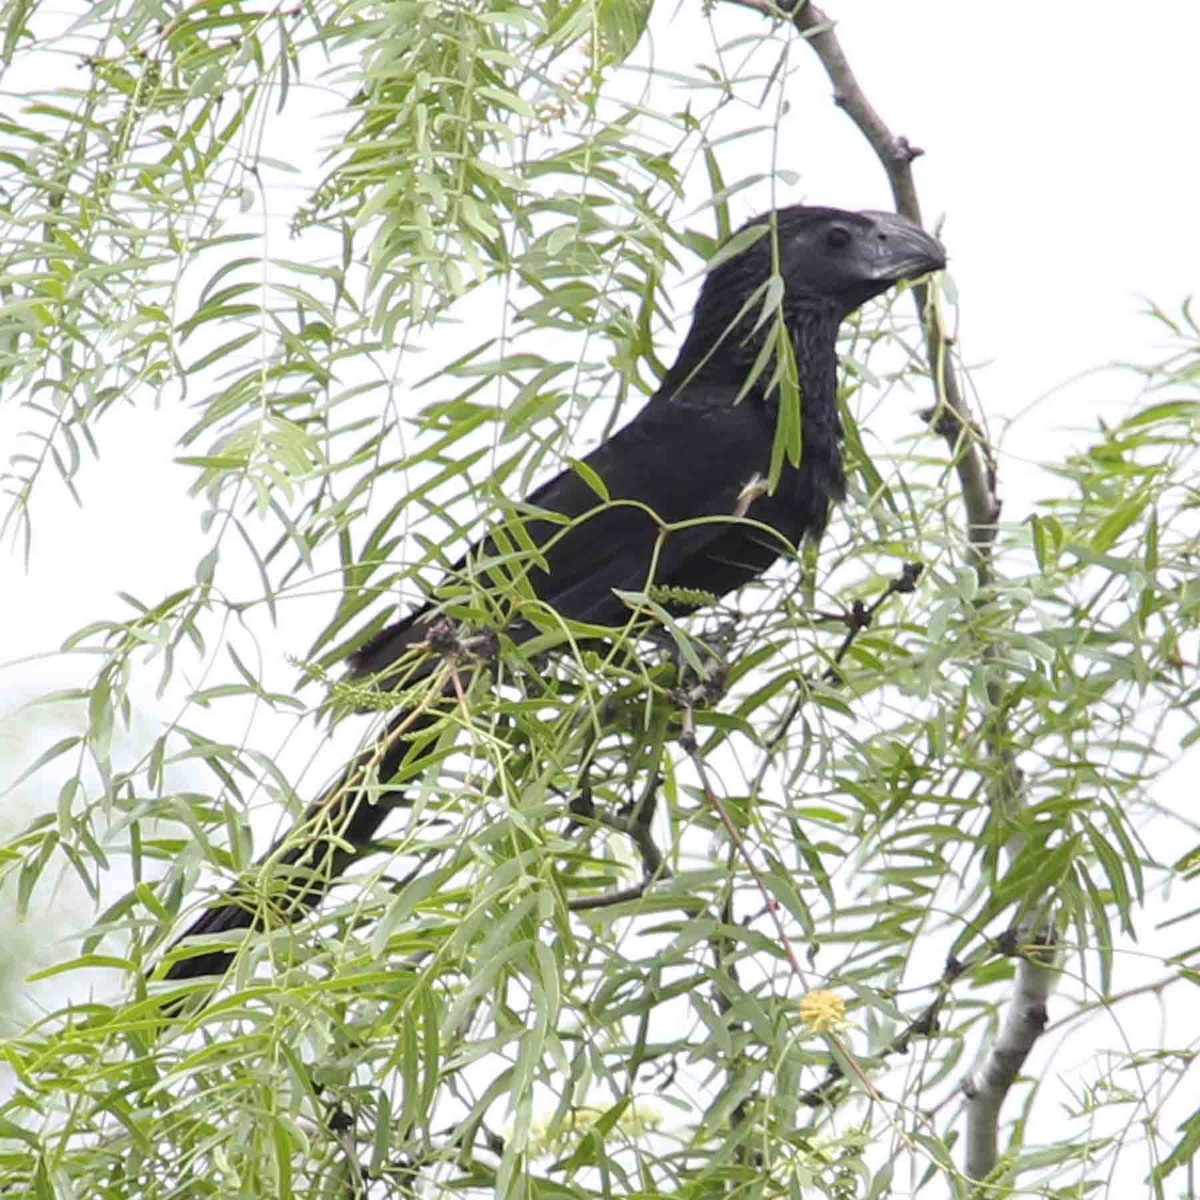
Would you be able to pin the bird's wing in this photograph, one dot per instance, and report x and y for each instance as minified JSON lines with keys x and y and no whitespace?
{"x":683,"y":460}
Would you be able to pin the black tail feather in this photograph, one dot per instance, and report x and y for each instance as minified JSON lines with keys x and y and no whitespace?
{"x":336,"y":830}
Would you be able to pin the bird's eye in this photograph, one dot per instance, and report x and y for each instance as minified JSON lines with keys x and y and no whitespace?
{"x":838,"y":238}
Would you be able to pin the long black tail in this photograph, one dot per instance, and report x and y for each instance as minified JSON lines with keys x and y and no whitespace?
{"x":336,"y":830}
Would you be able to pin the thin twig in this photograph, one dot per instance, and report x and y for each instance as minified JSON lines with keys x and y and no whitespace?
{"x":1106,"y":1003}
{"x":861,"y":615}
{"x":904,"y":582}
{"x":637,"y":827}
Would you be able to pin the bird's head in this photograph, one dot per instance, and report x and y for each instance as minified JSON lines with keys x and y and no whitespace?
{"x":829,"y":262}
{"x":826,"y":257}
{"x":850,"y":257}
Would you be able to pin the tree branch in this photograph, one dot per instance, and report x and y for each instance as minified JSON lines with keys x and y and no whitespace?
{"x":975,"y":466}
{"x":972,"y":458}
{"x":1024,"y":1024}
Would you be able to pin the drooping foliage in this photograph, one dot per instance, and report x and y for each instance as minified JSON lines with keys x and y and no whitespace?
{"x":384,"y":267}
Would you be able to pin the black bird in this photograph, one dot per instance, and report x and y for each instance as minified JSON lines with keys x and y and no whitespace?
{"x":701,"y":448}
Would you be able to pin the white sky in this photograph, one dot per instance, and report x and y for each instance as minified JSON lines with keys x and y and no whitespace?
{"x":1060,"y":147}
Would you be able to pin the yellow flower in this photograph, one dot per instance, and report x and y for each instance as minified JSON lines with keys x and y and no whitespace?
{"x":823,"y":1011}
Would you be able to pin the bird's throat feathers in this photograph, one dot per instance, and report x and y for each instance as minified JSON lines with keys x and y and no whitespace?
{"x":814,"y":344}
{"x":814,"y":350}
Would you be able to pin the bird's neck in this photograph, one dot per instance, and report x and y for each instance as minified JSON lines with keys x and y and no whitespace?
{"x":711,"y":363}
{"x":821,"y":477}
{"x":814,"y":346}
{"x":717,"y":355}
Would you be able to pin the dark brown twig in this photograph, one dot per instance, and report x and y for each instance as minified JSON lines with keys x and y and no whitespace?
{"x":905,"y":582}
{"x":636,"y":827}
{"x":927,"y":1022}
{"x":861,"y":615}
